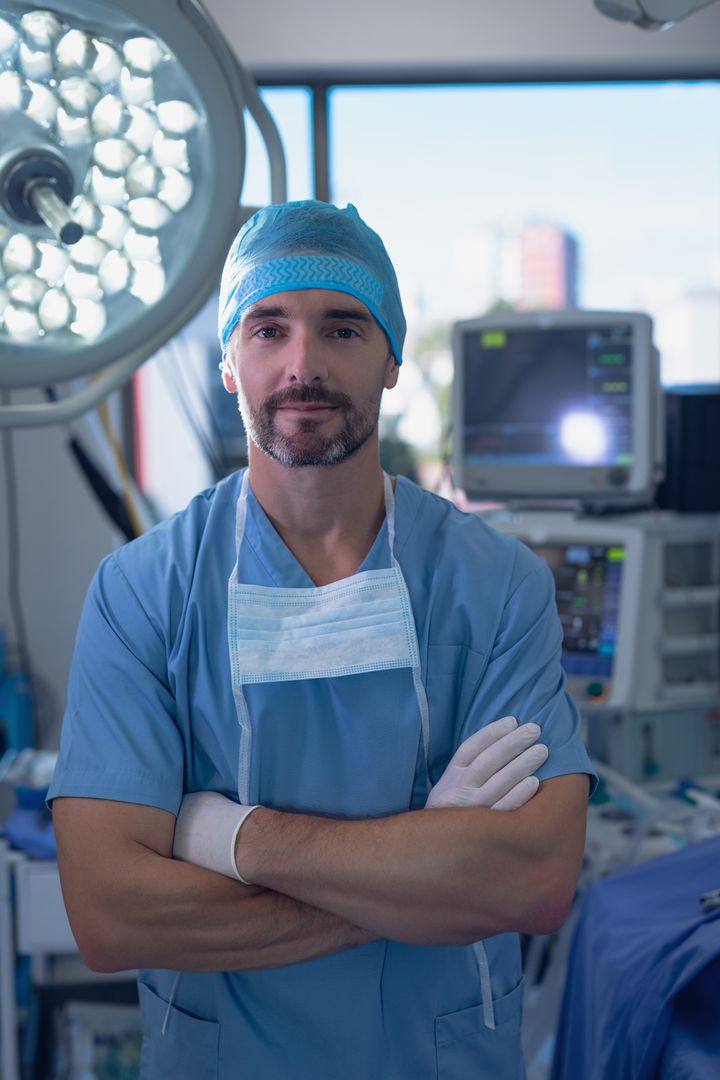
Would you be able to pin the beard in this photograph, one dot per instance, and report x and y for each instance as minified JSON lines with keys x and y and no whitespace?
{"x":306,"y":445}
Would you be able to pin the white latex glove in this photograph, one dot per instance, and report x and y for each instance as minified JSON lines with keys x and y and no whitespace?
{"x":493,"y":768}
{"x":206,"y":830}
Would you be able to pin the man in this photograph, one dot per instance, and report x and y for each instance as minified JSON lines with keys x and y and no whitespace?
{"x":300,"y":654}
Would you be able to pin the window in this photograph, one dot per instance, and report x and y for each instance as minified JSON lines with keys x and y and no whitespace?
{"x":600,"y":195}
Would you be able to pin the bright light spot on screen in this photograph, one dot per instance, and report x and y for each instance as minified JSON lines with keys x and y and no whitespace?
{"x":583,"y":437}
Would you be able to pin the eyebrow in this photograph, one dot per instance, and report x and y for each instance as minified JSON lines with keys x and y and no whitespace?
{"x":273,"y":311}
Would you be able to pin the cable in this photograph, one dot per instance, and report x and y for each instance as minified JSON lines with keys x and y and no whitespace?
{"x":181,"y":399}
{"x":111,"y":502}
{"x":189,"y":373}
{"x":123,"y":471}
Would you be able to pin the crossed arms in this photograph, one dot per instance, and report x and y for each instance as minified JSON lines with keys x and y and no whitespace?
{"x":433,"y":877}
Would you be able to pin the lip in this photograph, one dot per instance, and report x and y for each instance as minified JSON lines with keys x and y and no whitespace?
{"x":306,"y":407}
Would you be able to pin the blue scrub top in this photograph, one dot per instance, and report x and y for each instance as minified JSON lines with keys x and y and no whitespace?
{"x":151,"y":716}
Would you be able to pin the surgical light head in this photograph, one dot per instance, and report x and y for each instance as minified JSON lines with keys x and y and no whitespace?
{"x":310,"y":245}
{"x":122,"y":153}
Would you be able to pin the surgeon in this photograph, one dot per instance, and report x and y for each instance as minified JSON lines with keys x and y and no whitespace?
{"x":301,"y":785}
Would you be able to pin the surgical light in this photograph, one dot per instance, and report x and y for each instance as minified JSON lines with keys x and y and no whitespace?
{"x":122,"y":155}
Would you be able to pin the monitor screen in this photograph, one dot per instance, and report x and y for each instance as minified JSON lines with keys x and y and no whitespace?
{"x":558,"y":396}
{"x":558,"y":405}
{"x":588,"y":578}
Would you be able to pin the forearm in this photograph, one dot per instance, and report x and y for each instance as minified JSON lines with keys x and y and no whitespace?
{"x":428,"y":877}
{"x":168,"y":914}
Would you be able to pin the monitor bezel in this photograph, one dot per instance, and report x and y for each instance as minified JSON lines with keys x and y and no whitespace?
{"x":589,"y":484}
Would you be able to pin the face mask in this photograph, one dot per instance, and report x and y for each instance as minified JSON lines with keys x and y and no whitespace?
{"x":359,"y":624}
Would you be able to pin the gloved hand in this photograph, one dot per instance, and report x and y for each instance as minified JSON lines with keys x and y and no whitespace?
{"x":206,"y":830}
{"x":493,"y":768}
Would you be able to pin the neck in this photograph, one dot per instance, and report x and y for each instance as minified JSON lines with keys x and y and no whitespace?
{"x":328,"y":517}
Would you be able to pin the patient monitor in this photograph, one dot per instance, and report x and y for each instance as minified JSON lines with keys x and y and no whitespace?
{"x":555,"y":406}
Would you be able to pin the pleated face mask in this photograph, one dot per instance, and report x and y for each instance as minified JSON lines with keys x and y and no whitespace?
{"x":359,"y":624}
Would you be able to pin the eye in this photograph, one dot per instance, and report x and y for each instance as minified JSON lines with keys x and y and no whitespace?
{"x":267,"y":333}
{"x":345,"y":333}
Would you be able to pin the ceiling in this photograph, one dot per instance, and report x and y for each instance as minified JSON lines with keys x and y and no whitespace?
{"x":462,"y":39}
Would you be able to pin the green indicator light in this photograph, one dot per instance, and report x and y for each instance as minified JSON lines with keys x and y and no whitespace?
{"x":615,"y":387}
{"x":494,"y":339}
{"x":582,"y":577}
{"x":616,"y":554}
{"x":625,"y":459}
{"x":612,"y":358}
{"x":579,"y":601}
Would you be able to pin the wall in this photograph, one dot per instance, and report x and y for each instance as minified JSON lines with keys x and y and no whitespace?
{"x":63,"y":534}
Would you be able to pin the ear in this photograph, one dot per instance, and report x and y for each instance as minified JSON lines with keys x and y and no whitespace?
{"x":392,"y":372}
{"x":228,"y":375}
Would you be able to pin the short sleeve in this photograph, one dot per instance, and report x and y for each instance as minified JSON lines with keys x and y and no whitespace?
{"x":524,"y":677}
{"x":120,"y":739}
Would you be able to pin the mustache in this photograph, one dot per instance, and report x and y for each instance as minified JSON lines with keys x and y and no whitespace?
{"x":303,"y":395}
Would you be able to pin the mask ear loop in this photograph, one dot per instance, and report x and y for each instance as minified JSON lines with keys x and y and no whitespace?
{"x":243,"y":715}
{"x":420,"y":694}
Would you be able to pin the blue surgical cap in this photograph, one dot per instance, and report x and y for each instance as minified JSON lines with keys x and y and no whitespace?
{"x":310,"y":245}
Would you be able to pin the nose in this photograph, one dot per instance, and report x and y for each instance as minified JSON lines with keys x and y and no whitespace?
{"x":306,"y":363}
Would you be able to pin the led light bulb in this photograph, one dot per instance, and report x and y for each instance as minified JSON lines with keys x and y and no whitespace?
{"x":177,"y":117}
{"x":73,"y":130}
{"x":90,"y":319}
{"x":114,"y":226}
{"x":8,"y":37}
{"x":11,"y":90}
{"x":55,"y":310}
{"x":114,"y":274}
{"x":109,"y":116}
{"x":107,"y":65}
{"x":170,"y":153}
{"x":54,"y":261}
{"x":40,"y":28}
{"x":107,"y":190}
{"x":78,"y":95}
{"x":25,"y":290}
{"x":88,"y":253}
{"x":139,"y":247}
{"x":176,"y":189}
{"x":35,"y":63}
{"x":149,"y":214}
{"x":143,"y":178}
{"x":42,"y":106}
{"x":148,"y":282}
{"x":113,"y":156}
{"x":20,"y":255}
{"x":135,"y":89}
{"x":142,"y":130}
{"x":74,"y":51}
{"x":142,"y":54}
{"x":81,"y":285}
{"x":21,"y":323}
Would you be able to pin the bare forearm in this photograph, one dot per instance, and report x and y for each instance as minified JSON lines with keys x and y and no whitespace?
{"x":428,"y":877}
{"x":167,"y":914}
